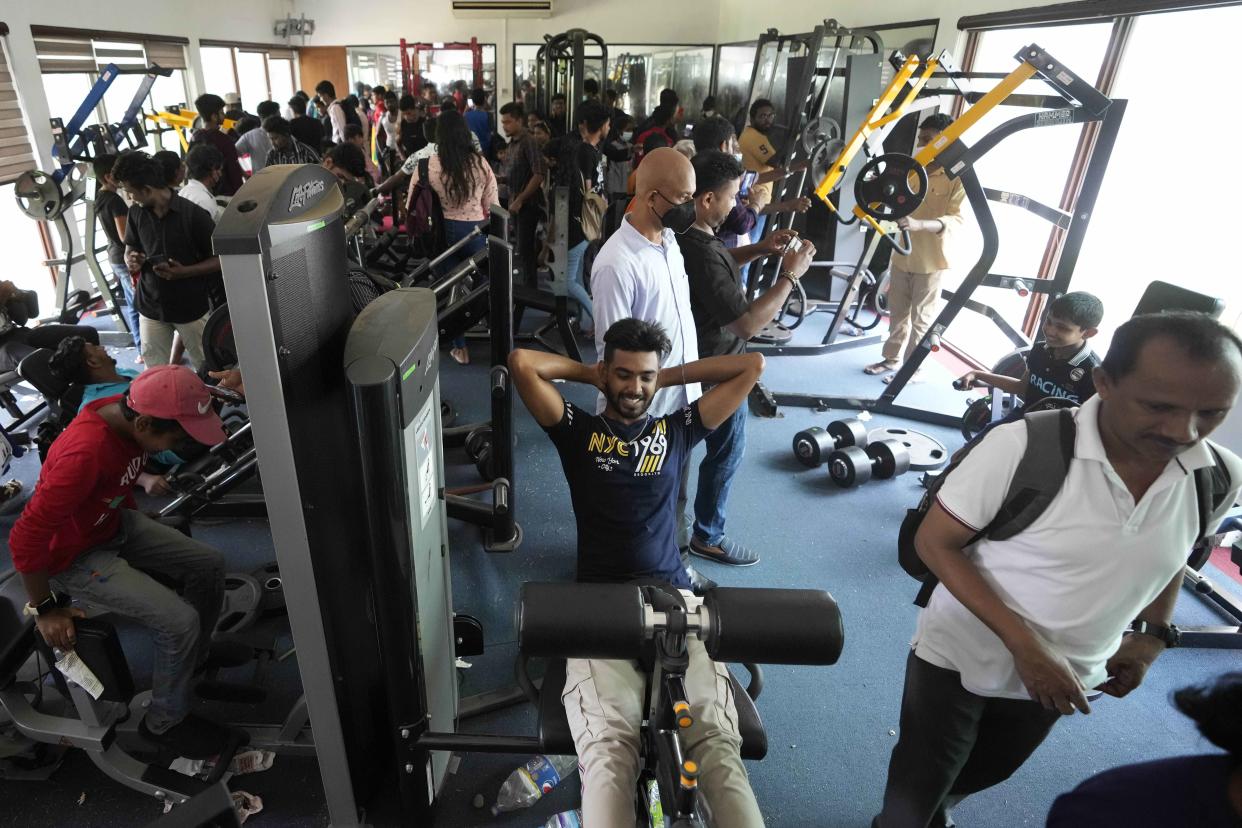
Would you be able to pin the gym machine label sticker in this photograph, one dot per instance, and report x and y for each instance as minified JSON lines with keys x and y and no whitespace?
{"x":425,"y":458}
{"x":1053,"y":117}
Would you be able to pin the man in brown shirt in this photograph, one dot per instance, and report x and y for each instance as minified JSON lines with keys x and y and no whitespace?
{"x":914,"y":280}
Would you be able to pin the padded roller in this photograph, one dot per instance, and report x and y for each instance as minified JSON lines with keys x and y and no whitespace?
{"x":774,"y":626}
{"x":580,"y":620}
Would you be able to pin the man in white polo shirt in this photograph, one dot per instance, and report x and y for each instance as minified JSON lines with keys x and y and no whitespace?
{"x":1022,"y":631}
{"x":639,"y":274}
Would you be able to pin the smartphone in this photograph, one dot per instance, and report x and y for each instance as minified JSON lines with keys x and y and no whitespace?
{"x":157,"y":259}
{"x":795,"y":244}
{"x":748,"y":181}
{"x":226,"y":394}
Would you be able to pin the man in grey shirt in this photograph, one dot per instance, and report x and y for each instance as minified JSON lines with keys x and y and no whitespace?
{"x":255,"y":142}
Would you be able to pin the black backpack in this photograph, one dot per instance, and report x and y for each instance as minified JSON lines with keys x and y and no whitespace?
{"x":1037,"y":481}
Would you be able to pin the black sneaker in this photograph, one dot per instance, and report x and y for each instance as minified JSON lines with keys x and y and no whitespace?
{"x":698,"y":583}
{"x":193,"y":737}
{"x":730,"y":553}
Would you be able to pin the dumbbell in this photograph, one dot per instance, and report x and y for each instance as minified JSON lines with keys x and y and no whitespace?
{"x":813,"y":445}
{"x":853,"y":466}
{"x":479,"y":449}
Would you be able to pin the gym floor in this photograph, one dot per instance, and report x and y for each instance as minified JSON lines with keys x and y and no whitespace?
{"x":830,"y":729}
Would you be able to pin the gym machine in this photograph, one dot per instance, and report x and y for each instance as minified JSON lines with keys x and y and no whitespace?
{"x":411,"y":63}
{"x":555,"y":300}
{"x":48,"y":196}
{"x":562,"y":65}
{"x":892,"y":185}
{"x":820,"y":82}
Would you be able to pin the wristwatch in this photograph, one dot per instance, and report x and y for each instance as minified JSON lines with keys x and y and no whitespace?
{"x":789,"y":274}
{"x":1170,"y":635}
{"x":51,"y":602}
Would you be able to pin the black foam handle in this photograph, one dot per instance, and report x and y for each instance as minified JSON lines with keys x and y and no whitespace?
{"x":774,"y":626}
{"x":568,"y":620}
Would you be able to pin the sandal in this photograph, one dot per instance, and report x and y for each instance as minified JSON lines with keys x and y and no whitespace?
{"x":882,"y":367}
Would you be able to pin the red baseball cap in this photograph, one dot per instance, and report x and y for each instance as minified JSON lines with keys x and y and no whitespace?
{"x":174,"y":392}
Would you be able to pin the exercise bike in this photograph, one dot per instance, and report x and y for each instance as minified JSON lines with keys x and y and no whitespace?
{"x":652,"y":624}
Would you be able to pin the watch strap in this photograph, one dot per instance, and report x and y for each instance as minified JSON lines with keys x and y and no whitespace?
{"x":1170,"y":635}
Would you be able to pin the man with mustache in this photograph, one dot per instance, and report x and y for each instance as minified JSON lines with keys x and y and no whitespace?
{"x":1023,"y":631}
{"x":639,"y":273}
{"x":624,"y":467}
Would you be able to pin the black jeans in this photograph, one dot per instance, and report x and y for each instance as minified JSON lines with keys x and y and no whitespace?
{"x":953,"y":743}
{"x":21,"y":342}
{"x":528,"y":242}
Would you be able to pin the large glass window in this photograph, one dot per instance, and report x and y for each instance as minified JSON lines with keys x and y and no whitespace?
{"x":280,"y":75}
{"x":218,"y":77}
{"x":375,"y":65}
{"x":252,"y":77}
{"x":1146,"y":224}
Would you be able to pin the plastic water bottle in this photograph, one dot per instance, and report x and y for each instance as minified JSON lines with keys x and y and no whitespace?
{"x":527,"y":784}
{"x":565,"y":819}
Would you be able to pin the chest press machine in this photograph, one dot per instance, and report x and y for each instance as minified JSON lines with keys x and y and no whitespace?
{"x":892,"y":185}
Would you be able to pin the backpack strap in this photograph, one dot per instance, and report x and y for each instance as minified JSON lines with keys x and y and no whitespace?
{"x":1212,"y":486}
{"x":1040,"y":474}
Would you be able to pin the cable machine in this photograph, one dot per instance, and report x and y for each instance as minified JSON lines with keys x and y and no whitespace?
{"x":561,"y":66}
{"x":411,"y":66}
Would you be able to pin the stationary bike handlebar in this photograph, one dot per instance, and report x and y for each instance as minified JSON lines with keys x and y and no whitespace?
{"x":614,"y":621}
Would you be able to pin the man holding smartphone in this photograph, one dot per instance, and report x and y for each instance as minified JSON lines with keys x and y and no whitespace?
{"x":724,"y":321}
{"x":168,"y":241}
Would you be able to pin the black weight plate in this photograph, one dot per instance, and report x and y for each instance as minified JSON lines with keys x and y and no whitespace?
{"x":926,"y":452}
{"x":811,"y":446}
{"x":883,"y":189}
{"x":243,"y":595}
{"x":851,"y":432}
{"x":475,"y":440}
{"x":849,"y":467}
{"x":484,"y":462}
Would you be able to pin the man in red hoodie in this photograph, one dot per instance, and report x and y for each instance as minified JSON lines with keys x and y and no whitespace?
{"x":82,"y":535}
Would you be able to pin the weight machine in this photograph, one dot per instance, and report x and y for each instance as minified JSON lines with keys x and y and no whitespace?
{"x":561,"y":65}
{"x":411,"y":67}
{"x":819,"y":82}
{"x":49,"y":196}
{"x":892,"y":185}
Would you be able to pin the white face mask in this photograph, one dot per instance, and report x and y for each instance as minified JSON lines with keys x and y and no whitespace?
{"x":628,"y":135}
{"x":737,"y":156}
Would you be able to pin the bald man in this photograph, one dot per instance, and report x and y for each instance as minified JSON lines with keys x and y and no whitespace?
{"x":639,"y":274}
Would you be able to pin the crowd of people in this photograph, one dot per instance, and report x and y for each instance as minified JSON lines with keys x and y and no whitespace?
{"x":1020,"y":632}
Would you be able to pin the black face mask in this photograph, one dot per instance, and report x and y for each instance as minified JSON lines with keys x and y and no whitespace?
{"x":680,"y":217}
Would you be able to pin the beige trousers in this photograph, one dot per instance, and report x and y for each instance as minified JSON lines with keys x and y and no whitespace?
{"x":912,"y":301}
{"x":604,"y":701}
{"x":157,"y":340}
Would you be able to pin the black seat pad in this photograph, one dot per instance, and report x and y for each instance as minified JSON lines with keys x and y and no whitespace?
{"x":530,"y":297}
{"x":554,"y":726}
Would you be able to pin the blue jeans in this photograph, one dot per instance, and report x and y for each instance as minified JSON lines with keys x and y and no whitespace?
{"x":131,"y":307}
{"x":455,"y":231}
{"x":113,"y":577}
{"x":725,"y":447}
{"x":576,"y":286}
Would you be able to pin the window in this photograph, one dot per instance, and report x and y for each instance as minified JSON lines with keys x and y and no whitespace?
{"x":252,"y":77}
{"x":1147,"y":225}
{"x":218,"y":76}
{"x":256,"y":72}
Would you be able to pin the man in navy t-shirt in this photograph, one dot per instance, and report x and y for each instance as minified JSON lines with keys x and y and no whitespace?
{"x":624,"y":469}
